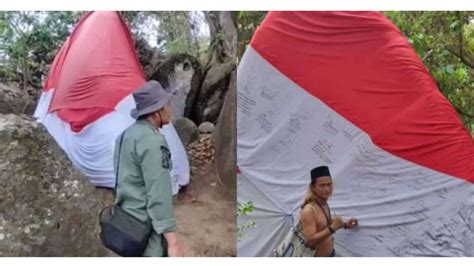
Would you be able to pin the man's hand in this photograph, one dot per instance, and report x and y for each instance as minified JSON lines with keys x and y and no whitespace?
{"x":337,"y":222}
{"x":351,"y":223}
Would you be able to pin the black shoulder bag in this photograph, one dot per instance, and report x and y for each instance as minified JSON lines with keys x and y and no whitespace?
{"x":122,"y":233}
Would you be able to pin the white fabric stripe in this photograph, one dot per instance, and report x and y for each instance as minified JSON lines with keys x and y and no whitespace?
{"x":91,"y":150}
{"x":404,"y":209}
{"x":271,"y":222}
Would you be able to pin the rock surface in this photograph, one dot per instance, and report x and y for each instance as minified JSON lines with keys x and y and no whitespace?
{"x":180,"y":75}
{"x":211,"y":96}
{"x":206,"y":127}
{"x":225,"y":138}
{"x":15,"y":101}
{"x":187,"y":130}
{"x":47,"y":207}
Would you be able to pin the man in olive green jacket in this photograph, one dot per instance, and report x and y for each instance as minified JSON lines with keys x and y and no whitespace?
{"x":143,"y":170}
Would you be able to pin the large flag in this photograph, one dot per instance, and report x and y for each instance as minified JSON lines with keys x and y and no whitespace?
{"x":87,"y":97}
{"x":347,"y":90}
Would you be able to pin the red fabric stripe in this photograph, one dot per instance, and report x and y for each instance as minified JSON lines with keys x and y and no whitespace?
{"x":94,"y":70}
{"x":363,"y":67}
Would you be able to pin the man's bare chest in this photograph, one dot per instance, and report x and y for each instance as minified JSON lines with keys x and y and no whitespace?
{"x":322,"y":219}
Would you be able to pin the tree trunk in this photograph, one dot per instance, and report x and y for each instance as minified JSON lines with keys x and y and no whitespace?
{"x":223,"y":36}
{"x":221,"y":64}
{"x":221,"y":77}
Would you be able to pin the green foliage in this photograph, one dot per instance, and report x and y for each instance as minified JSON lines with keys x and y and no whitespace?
{"x":248,"y":22}
{"x":245,"y":208}
{"x":179,"y":46}
{"x":445,"y":43}
{"x":173,"y":32}
{"x":30,"y":42}
{"x":242,"y":210}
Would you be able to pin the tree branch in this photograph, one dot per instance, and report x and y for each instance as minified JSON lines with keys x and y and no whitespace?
{"x":467,"y":60}
{"x":470,"y":116}
{"x":459,"y":51}
{"x":428,"y":54}
{"x":461,"y":39}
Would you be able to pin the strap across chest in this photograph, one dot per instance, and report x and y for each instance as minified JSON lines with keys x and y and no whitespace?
{"x":327,"y":215}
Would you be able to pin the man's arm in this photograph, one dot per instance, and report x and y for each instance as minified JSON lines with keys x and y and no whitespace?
{"x":174,"y":248}
{"x":311,"y":234}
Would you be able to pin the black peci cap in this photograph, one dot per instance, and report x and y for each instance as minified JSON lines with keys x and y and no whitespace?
{"x":318,"y":172}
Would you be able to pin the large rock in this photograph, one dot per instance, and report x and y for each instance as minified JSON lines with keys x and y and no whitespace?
{"x":211,"y":96}
{"x":181,"y":75}
{"x":48,"y":208}
{"x":15,"y":101}
{"x":225,"y":138}
{"x":187,"y":130}
{"x":206,"y":127}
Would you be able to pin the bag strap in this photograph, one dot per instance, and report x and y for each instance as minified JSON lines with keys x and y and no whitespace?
{"x":116,"y":181}
{"x":118,"y":163}
{"x":328,"y":217}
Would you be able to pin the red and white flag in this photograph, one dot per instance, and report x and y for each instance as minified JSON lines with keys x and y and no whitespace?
{"x":347,"y":90}
{"x":87,"y":97}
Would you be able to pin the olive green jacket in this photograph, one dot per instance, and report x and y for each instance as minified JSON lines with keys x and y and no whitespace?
{"x":144,"y":183}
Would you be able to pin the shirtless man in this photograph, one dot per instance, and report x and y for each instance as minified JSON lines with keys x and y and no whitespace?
{"x":317,"y":224}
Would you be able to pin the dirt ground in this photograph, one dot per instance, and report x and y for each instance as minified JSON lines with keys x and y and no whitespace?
{"x":207,"y":216}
